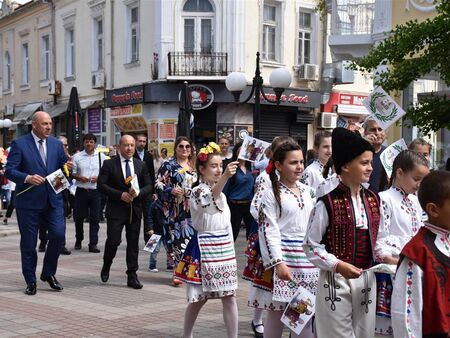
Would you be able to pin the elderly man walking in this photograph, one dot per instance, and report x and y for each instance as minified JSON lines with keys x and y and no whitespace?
{"x":31,"y":159}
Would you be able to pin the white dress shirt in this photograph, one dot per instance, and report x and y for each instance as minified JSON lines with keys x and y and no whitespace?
{"x":36,"y":141}
{"x":87,"y":165}
{"x":130,"y":163}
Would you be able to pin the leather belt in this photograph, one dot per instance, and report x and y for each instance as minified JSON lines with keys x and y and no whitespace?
{"x":239,"y":202}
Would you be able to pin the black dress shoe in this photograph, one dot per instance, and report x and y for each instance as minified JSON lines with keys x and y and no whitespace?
{"x":64,"y":251}
{"x":133,"y":282}
{"x":31,"y":289}
{"x":77,"y":245}
{"x":104,"y":274}
{"x":53,"y":282}
{"x":42,"y":246}
{"x":94,"y":249}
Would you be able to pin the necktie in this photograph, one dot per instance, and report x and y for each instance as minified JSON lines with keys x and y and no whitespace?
{"x":127,"y":169}
{"x":42,"y":151}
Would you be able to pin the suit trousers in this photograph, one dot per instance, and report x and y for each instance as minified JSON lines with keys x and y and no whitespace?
{"x":87,"y":205}
{"x":29,"y":221}
{"x":114,"y":238}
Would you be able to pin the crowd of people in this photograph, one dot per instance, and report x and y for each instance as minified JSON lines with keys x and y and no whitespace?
{"x":373,"y":249}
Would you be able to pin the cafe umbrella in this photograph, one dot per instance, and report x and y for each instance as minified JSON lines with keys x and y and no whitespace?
{"x":73,"y":120}
{"x":185,"y":125}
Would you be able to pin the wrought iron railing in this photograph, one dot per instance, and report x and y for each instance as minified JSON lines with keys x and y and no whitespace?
{"x":197,"y":64}
{"x":352,"y":17}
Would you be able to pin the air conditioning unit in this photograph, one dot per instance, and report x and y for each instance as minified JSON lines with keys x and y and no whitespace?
{"x":54,"y":88}
{"x":9,"y":109}
{"x":308,"y":72}
{"x":328,"y":120}
{"x":98,"y":80}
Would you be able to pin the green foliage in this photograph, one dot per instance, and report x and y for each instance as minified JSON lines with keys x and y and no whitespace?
{"x":411,"y":51}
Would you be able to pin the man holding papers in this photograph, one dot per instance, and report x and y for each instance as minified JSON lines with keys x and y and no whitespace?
{"x":32,"y":158}
{"x":126,"y":182}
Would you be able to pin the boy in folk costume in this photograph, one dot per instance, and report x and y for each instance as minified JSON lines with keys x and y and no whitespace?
{"x":421,"y":297}
{"x":340,"y":240}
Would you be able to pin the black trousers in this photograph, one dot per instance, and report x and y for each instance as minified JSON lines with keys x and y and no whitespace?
{"x":10,"y":209}
{"x":240,"y":211}
{"x":114,"y":238}
{"x":87,"y":204}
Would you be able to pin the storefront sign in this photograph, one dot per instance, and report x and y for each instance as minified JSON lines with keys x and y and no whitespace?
{"x":125,"y":96}
{"x":152,"y":129}
{"x":95,"y":121}
{"x":168,"y":129}
{"x":201,"y":96}
{"x":126,"y":110}
{"x":292,"y":98}
{"x":130,"y":123}
{"x":355,"y":100}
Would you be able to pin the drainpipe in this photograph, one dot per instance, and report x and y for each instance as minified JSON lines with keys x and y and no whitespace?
{"x":53,"y":42}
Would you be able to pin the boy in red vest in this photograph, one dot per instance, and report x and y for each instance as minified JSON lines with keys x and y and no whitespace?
{"x":421,"y":295}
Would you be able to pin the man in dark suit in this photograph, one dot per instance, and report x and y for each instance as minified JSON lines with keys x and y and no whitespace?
{"x":124,"y":206}
{"x":31,"y":159}
{"x":143,"y":154}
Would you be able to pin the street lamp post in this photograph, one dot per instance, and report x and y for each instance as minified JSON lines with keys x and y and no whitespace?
{"x":4,"y":126}
{"x":279,"y":79}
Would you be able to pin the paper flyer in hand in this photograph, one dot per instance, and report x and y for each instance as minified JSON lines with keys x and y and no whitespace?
{"x":151,"y":244}
{"x":135,"y":184}
{"x":389,"y":154}
{"x":300,"y":310}
{"x":383,"y":268}
{"x":252,"y":149}
{"x":383,"y":108}
{"x":58,"y":181}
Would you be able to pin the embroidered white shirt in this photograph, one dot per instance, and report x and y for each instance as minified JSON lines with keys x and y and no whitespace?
{"x":312,"y":175}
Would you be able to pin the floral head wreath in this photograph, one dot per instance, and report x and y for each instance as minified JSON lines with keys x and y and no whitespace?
{"x":209,"y":149}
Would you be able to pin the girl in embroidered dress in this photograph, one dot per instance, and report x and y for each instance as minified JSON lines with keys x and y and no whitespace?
{"x":400,"y":220}
{"x":283,"y":217}
{"x":312,"y":175}
{"x":254,"y":268}
{"x":340,"y":240}
{"x":209,"y":263}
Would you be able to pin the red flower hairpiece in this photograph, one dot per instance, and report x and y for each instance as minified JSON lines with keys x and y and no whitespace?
{"x":202,"y":157}
{"x":270,"y":167}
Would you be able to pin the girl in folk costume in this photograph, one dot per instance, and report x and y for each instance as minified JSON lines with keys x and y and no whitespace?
{"x":340,"y":240}
{"x":312,"y":176}
{"x":254,"y":269}
{"x":209,"y":262}
{"x":421,"y":296}
{"x":400,"y":220}
{"x":283,"y":217}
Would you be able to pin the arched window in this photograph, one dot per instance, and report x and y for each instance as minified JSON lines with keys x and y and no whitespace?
{"x":7,"y":71}
{"x":198,"y":16}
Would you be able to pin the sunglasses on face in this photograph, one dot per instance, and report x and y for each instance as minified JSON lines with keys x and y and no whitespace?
{"x":185,"y":146}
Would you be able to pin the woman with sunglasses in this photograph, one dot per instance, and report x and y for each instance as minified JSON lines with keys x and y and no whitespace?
{"x":173,"y":187}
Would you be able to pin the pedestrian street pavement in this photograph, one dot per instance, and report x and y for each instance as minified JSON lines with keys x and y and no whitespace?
{"x":89,"y":308}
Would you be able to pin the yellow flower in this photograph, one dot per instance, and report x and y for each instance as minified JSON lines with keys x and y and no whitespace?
{"x":66,"y":170}
{"x":209,"y":149}
{"x":214,"y":146}
{"x":204,"y":150}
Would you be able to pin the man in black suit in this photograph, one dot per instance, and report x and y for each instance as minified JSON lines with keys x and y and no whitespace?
{"x":143,"y":154}
{"x":124,"y":206}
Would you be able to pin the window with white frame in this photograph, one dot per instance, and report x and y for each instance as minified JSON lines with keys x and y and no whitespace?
{"x":132,"y":33}
{"x":98,"y":44}
{"x":270,"y":32}
{"x":25,"y":64}
{"x":198,"y":17}
{"x":304,"y":37}
{"x":70,"y":51}
{"x":45,"y":57}
{"x":7,"y":71}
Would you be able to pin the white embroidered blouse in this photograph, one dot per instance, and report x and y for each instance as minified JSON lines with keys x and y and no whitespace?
{"x":406,"y":302}
{"x":312,"y":175}
{"x":262,"y":184}
{"x":400,"y":220}
{"x":208,"y":214}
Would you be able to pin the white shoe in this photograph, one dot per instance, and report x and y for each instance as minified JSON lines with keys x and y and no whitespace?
{"x":153,"y":270}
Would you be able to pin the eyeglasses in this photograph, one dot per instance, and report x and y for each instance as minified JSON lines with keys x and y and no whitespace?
{"x":185,"y":146}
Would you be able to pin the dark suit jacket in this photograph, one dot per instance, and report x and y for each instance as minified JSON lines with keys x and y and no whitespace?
{"x":24,"y":159}
{"x":148,"y":159}
{"x":112,"y":183}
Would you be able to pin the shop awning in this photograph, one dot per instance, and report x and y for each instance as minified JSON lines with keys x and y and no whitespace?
{"x":88,"y":103}
{"x":57,"y":110}
{"x":26,"y":112}
{"x":352,"y":110}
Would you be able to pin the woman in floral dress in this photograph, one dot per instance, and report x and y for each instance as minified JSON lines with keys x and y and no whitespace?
{"x":173,"y":187}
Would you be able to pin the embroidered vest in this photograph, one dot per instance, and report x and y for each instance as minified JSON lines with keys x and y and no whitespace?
{"x":340,"y":237}
{"x":436,"y":283}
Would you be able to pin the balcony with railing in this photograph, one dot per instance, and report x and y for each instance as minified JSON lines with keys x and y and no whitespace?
{"x":351,"y":28}
{"x":191,"y":64}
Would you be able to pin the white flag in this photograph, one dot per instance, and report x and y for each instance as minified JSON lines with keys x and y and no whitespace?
{"x":389,"y":154}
